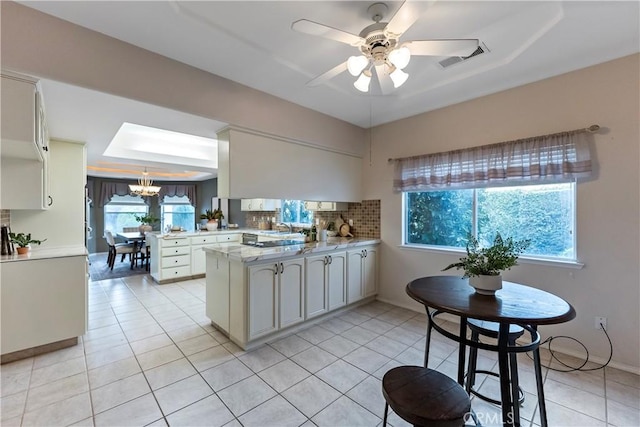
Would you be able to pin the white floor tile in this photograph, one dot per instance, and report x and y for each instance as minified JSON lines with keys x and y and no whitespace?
{"x":274,"y":412}
{"x":56,"y":391}
{"x":246,"y":395}
{"x":112,"y":372}
{"x":210,"y":411}
{"x":345,"y":412}
{"x":138,"y":412}
{"x":341,"y":375}
{"x":65,"y":412}
{"x":169,"y":373}
{"x":116,"y":393}
{"x":182,"y":393}
{"x":313,"y":359}
{"x":283,"y":375}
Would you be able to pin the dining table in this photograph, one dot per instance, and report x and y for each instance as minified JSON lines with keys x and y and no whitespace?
{"x":135,"y":237}
{"x":514,"y":304}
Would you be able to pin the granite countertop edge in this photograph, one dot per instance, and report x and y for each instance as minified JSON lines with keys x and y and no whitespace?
{"x":238,"y":252}
{"x":46,"y":253}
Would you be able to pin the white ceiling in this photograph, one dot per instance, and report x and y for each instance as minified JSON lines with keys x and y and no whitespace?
{"x":252,"y":43}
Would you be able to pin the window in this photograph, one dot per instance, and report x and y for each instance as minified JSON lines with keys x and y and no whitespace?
{"x":543,"y":213}
{"x":177,"y":211}
{"x":293,"y":211}
{"x":121,"y":210}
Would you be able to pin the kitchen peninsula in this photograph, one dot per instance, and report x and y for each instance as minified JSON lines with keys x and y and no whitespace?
{"x":254,"y":294}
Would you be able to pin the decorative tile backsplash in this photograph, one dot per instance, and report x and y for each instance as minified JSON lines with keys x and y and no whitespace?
{"x":365,"y":216}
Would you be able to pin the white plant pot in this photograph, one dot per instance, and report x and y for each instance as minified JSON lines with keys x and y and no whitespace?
{"x":212,"y":225}
{"x":486,"y":285}
{"x":145,"y":228}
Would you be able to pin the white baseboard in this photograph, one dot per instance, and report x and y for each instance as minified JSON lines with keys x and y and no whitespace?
{"x":556,"y":349}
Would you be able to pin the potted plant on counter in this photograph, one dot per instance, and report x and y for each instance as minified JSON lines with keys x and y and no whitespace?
{"x":483,"y":266}
{"x":213,"y":217}
{"x":147,"y":221}
{"x":23,"y":241}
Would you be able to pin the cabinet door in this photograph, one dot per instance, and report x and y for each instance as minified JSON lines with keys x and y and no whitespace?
{"x":246,"y":204}
{"x":336,"y":279}
{"x":291,"y":278}
{"x":198,"y":260}
{"x":370,"y":271}
{"x":316,"y":290}
{"x":217,"y":292}
{"x":354,"y":276}
{"x":263,"y":299}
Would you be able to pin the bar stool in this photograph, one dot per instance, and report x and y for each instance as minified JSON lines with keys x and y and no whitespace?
{"x":490,"y":329}
{"x":424,"y":397}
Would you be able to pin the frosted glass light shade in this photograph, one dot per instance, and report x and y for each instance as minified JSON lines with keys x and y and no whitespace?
{"x":355,"y":64}
{"x":362,"y":84}
{"x":400,"y":57}
{"x":398,"y":77}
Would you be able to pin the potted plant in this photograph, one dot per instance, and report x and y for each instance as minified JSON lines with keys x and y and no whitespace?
{"x":147,"y":221}
{"x":483,"y":265}
{"x":213,"y":218}
{"x":23,"y":241}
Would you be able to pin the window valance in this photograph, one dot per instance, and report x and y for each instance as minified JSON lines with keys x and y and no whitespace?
{"x":551,"y":158}
{"x":110,"y":189}
{"x":188,"y":190}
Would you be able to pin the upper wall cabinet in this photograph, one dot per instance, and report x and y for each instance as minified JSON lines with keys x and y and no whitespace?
{"x":259,"y":204}
{"x":326,"y":206}
{"x":253,"y":164}
{"x":24,"y":150}
{"x":23,"y":124}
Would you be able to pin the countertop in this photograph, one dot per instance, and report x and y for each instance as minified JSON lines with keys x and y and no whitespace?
{"x":46,"y":253}
{"x":238,"y":252}
{"x":179,"y":234}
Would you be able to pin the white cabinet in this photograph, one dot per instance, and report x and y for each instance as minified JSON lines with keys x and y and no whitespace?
{"x":362,"y":273}
{"x":217,"y":291}
{"x":316,"y":286}
{"x":24,"y":149}
{"x":43,"y":301}
{"x":276,"y":296}
{"x":326,"y":206}
{"x":259,"y":204}
{"x":198,"y":258}
{"x":325,"y":283}
{"x":171,"y":258}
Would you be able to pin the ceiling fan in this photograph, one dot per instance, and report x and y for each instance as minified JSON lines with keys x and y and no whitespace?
{"x":380,"y":47}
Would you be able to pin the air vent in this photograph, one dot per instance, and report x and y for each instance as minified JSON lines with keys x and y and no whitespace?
{"x":482,"y":48}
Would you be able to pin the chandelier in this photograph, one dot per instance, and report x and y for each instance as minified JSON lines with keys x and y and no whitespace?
{"x":145,"y":186}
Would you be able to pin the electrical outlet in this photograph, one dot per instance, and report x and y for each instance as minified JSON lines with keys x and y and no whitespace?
{"x":600,"y":321}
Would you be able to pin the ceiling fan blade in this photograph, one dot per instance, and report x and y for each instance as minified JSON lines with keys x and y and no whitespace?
{"x":328,"y":75}
{"x":404,"y":18}
{"x":321,"y":30}
{"x":386,"y":85}
{"x":455,"y":47}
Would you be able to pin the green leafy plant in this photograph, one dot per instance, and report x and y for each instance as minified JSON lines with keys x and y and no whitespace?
{"x":215,"y":214}
{"x":490,"y":261}
{"x":23,"y":240}
{"x":148,"y":219}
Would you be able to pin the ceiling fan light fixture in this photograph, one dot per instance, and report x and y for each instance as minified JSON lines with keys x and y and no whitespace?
{"x":355,"y":64}
{"x":400,"y":57}
{"x":362,"y":84}
{"x":398,"y":77}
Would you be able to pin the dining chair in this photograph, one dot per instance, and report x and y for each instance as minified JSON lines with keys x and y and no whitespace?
{"x":118,"y":248}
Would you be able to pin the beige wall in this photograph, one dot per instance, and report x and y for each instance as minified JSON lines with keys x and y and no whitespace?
{"x":47,"y":47}
{"x":607,"y":206}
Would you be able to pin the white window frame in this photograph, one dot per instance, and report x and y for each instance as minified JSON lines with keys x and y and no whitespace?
{"x":524,"y":259}
{"x":126,"y":200}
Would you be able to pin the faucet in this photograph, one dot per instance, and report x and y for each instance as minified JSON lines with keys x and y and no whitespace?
{"x":289,"y":226}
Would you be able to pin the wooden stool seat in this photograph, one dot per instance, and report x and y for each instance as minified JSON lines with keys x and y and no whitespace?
{"x":424,"y":397}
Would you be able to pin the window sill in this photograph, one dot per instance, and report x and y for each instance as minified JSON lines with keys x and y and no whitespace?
{"x":522,"y":260}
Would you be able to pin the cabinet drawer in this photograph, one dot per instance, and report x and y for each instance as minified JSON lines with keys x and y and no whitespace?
{"x":174,"y":261}
{"x":229,"y":238}
{"x":203,"y":240}
{"x":173,"y":272}
{"x":179,"y":250}
{"x":168,"y":243}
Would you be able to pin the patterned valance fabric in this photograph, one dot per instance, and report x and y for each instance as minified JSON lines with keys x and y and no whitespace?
{"x":178,"y":190}
{"x":551,"y":158}
{"x":110,"y":189}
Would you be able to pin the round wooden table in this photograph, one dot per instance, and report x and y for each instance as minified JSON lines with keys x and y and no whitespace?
{"x":513,"y":304}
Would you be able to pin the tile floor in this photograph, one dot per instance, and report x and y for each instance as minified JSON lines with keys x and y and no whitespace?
{"x":151,"y":357}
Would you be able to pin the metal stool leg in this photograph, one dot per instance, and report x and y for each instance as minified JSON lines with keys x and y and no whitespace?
{"x":428,"y":339}
{"x":386,"y":411}
{"x":541,"y":403}
{"x":473,"y":362}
